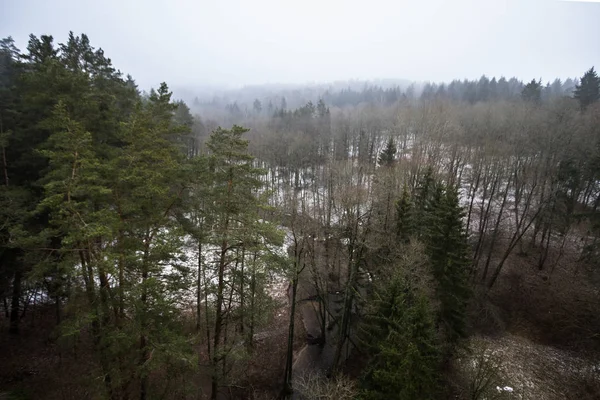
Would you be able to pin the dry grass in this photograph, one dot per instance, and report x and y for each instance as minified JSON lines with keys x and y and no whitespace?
{"x":313,"y":386}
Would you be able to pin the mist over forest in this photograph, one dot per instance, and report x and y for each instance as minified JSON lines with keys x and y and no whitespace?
{"x":322,"y":200}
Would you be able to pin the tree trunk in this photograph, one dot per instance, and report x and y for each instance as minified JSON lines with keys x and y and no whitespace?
{"x":218,"y":320}
{"x":287,"y":381}
{"x":206,"y":314}
{"x":88,"y":277}
{"x":226,"y":318}
{"x":546,"y":235}
{"x":473,"y":192}
{"x":346,"y":315}
{"x":199,"y":288}
{"x":355,"y":256}
{"x":15,"y":303}
{"x":6,"y":309}
{"x":252,"y":302}
{"x":121,"y":312}
{"x":144,"y":353}
{"x":57,"y":309}
{"x":4,"y":163}
{"x":515,"y":239}
{"x":495,"y":234}
{"x":484,"y":217}
{"x":242,"y":298}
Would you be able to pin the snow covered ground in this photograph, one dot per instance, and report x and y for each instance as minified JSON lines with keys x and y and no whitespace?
{"x":529,"y":370}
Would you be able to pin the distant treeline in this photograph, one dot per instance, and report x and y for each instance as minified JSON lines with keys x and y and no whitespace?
{"x":468,"y":91}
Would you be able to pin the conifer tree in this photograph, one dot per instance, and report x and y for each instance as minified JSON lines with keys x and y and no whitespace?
{"x":388,"y":155}
{"x":14,"y":199}
{"x":233,"y":201}
{"x":449,"y":256}
{"x":150,"y":187}
{"x":532,"y":92}
{"x":72,"y":189}
{"x":114,"y":218}
{"x":422,"y":200}
{"x":588,"y":91}
{"x":401,"y":336}
{"x":404,"y":217}
{"x":257,"y":106}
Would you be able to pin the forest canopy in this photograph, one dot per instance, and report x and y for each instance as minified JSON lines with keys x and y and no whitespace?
{"x":325,"y":243}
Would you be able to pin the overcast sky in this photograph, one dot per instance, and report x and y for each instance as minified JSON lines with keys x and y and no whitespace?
{"x":238,"y":42}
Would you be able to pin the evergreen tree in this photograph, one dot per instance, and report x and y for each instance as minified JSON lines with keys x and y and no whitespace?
{"x":96,"y":98}
{"x":401,"y":337}
{"x":257,"y":106}
{"x":114,"y":218}
{"x":322,"y":109}
{"x":449,"y":256}
{"x":233,"y":201}
{"x":483,"y":88}
{"x":493,"y":89}
{"x":503,"y":89}
{"x":404,"y":217}
{"x":532,"y":92}
{"x":387,"y":156}
{"x":556,"y":88}
{"x":588,"y":91}
{"x":14,"y":199}
{"x":183,"y":118}
{"x":422,"y":200}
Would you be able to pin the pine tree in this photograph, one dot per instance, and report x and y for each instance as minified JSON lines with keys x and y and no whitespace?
{"x":233,"y":202}
{"x":72,"y":189}
{"x":588,"y":91}
{"x":388,"y":155}
{"x":93,"y":93}
{"x":114,"y":218}
{"x":149,"y":188}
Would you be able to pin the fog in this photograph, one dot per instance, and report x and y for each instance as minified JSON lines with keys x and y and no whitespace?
{"x":234,"y":43}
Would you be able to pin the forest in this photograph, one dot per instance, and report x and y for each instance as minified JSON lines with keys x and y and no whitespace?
{"x":388,"y":240}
